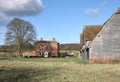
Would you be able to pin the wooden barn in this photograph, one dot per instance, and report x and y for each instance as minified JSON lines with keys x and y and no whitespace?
{"x":101,"y":43}
{"x":89,"y":33}
{"x":46,"y":48}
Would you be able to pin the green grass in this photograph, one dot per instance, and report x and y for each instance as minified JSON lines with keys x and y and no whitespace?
{"x":68,"y":59}
{"x":68,"y":69}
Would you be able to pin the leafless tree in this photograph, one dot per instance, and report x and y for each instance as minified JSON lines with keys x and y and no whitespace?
{"x":19,"y":33}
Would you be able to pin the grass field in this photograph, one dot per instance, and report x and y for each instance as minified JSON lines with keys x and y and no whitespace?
{"x":68,"y":69}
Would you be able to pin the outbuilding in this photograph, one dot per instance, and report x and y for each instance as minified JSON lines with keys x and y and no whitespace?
{"x":102,"y":43}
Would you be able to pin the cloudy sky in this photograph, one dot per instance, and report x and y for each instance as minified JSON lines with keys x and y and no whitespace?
{"x":61,"y":19}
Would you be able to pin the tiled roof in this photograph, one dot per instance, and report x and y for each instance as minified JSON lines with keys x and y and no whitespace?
{"x":81,"y":38}
{"x":90,"y":32}
{"x":118,"y":11}
{"x":46,"y":41}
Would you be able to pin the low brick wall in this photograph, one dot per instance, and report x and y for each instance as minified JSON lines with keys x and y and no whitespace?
{"x":107,"y":61}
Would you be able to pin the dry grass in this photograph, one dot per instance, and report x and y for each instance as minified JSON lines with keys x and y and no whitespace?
{"x":57,"y":70}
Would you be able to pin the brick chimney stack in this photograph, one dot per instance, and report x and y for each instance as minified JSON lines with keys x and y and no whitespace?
{"x":53,"y":39}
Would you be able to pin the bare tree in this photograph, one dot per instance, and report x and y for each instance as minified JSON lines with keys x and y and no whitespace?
{"x":19,"y":33}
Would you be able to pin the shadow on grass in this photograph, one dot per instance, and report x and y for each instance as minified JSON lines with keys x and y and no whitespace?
{"x":67,"y":59}
{"x":26,"y":75}
{"x":4,"y":58}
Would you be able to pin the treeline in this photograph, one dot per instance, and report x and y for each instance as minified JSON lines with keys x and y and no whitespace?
{"x":69,"y":46}
{"x":12,"y":48}
{"x":30,"y":47}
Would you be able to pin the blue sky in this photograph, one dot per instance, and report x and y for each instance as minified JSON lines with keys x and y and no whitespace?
{"x":64,"y":19}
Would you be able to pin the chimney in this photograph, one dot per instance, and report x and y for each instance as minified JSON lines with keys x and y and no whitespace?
{"x":41,"y":39}
{"x":53,"y":39}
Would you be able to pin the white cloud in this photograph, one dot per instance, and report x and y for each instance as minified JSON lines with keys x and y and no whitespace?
{"x":2,"y":32}
{"x":103,"y":3}
{"x":2,"y":39}
{"x":4,"y":19}
{"x":96,"y":11}
{"x":92,"y":11}
{"x":13,"y":8}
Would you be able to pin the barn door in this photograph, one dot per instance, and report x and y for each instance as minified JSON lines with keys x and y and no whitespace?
{"x":87,"y":55}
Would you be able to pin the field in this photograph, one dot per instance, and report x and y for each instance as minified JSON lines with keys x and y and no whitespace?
{"x":68,"y":69}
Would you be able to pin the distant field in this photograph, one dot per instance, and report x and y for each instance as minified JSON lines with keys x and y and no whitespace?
{"x":68,"y":69}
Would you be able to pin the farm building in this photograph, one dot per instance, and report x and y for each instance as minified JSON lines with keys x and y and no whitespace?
{"x":46,"y":48}
{"x":100,"y":43}
{"x":89,"y":33}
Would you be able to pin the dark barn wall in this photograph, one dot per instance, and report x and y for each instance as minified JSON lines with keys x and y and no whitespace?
{"x":106,"y":45}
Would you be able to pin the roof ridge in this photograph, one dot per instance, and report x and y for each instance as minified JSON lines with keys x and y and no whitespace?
{"x":117,"y":11}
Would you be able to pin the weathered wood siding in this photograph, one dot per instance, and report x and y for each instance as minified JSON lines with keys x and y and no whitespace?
{"x":106,"y":45}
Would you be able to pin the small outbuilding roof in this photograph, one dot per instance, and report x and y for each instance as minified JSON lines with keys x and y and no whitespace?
{"x":91,"y":31}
